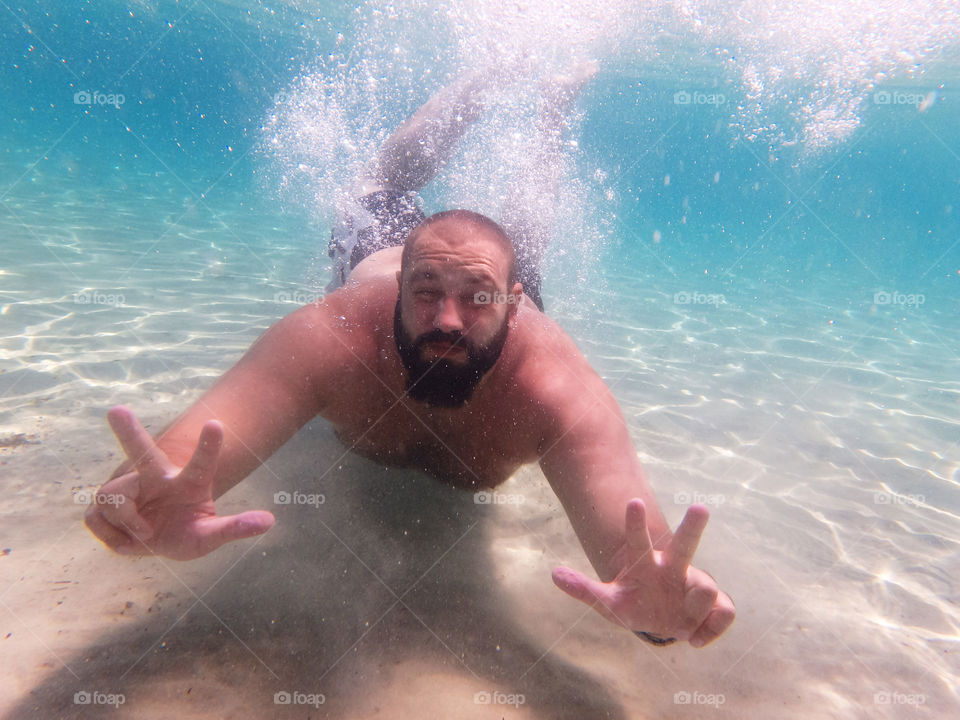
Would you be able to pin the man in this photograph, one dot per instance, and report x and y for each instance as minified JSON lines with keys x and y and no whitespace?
{"x":431,"y":357}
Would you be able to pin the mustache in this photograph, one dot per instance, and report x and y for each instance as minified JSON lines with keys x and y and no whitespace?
{"x":454,"y":337}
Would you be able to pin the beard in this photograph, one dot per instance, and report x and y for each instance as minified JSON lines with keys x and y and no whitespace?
{"x":442,"y":382}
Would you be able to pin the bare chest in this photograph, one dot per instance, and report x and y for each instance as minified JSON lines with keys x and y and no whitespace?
{"x":477,"y":446}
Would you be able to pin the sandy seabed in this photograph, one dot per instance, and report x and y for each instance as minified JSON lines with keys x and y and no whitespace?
{"x":832,"y":483}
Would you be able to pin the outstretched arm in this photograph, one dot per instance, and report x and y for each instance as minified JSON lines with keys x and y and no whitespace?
{"x":590,"y":462}
{"x":161,"y":500}
{"x":647,"y":582}
{"x":272,"y":391}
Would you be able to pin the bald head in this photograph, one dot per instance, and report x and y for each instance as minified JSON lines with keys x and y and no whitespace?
{"x":462,"y":227}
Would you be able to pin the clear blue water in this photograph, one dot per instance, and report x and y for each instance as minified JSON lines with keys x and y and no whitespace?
{"x":145,"y":244}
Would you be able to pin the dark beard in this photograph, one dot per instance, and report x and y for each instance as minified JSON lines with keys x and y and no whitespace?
{"x":441,"y":382}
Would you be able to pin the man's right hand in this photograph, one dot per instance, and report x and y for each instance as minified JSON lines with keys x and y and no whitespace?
{"x":158,"y":508}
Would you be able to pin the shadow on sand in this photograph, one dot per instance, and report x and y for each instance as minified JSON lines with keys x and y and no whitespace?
{"x":383,"y":599}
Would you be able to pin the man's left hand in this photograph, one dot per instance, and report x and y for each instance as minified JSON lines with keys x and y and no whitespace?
{"x":658,"y":592}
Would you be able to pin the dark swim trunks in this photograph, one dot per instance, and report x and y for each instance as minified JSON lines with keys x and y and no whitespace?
{"x":384,"y":219}
{"x":395,"y":214}
{"x":379,"y":220}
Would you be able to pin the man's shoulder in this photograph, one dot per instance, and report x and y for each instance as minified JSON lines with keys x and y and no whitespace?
{"x":364,"y":300}
{"x":557,"y":385}
{"x":349,"y":321}
{"x":549,"y":366}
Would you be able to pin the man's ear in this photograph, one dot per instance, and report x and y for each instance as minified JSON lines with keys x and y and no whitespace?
{"x":517,"y":293}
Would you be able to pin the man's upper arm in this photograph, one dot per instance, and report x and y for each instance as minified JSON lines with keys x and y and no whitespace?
{"x":280,"y":383}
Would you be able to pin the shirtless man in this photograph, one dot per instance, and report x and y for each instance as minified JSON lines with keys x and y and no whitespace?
{"x":431,"y":356}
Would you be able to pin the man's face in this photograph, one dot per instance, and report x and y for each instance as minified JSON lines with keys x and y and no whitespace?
{"x":448,"y":333}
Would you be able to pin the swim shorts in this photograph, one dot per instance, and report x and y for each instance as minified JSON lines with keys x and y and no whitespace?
{"x":376,"y":221}
{"x":384,"y":219}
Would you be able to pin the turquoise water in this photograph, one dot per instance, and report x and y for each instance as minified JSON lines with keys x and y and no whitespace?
{"x":757,"y":245}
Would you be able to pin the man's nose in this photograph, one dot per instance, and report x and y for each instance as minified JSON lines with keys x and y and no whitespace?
{"x":448,"y":316}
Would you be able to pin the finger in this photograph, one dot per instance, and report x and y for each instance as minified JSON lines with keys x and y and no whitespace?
{"x":104,"y":531}
{"x":116,"y":503}
{"x":203,"y":465}
{"x":683,"y":545}
{"x":216,"y":531}
{"x":135,"y":441}
{"x":638,"y":536}
{"x":579,"y":586}
{"x":590,"y":592}
{"x":113,"y":537}
{"x":719,"y":619}
{"x":698,"y":602}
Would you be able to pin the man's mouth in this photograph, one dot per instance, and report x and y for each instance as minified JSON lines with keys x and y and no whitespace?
{"x":443,"y":348}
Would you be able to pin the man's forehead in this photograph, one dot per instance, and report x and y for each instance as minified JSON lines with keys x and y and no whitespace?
{"x":454,"y":231}
{"x":464,"y":245}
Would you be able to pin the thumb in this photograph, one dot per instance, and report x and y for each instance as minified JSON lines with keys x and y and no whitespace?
{"x":219,"y":530}
{"x":579,"y":586}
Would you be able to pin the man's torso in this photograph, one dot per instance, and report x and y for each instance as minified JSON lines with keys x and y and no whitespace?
{"x":478,"y":445}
